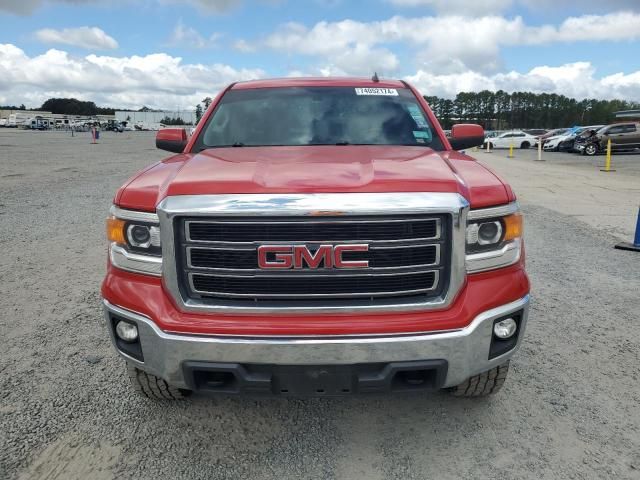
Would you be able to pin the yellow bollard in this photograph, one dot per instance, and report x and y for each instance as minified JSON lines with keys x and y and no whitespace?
{"x":510,"y":151}
{"x":607,"y":163}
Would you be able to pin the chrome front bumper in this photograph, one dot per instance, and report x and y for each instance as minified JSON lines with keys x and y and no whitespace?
{"x":466,"y":351}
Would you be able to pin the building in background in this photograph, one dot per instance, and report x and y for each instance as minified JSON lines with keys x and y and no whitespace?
{"x":38,"y":119}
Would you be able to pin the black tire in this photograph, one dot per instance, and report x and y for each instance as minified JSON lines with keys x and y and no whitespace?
{"x":525,"y":145}
{"x":490,"y":146}
{"x":153,"y":387}
{"x":591,"y":149}
{"x":487,"y":383}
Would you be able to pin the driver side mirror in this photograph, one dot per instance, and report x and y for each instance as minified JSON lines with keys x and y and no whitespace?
{"x":466,"y":135}
{"x":171,"y":139}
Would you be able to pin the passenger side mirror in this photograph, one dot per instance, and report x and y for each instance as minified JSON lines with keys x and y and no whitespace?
{"x":466,"y":135}
{"x":172,"y":139}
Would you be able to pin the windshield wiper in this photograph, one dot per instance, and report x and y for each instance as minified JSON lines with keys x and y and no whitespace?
{"x":237,"y":144}
{"x":342,"y":143}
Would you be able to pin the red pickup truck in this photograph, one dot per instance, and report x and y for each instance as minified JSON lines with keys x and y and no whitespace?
{"x":320,"y":237}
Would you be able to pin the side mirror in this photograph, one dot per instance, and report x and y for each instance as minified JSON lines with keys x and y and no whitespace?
{"x":466,"y":135}
{"x":171,"y":139}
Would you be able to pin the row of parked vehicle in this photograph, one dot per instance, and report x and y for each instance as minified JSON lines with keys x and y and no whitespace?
{"x":588,"y":140}
{"x":592,"y":140}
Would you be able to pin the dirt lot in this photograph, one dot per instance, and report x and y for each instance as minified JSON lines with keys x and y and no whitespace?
{"x":570,"y":408}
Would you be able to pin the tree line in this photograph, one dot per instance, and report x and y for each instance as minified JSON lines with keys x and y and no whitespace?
{"x":493,"y":110}
{"x":73,"y":106}
{"x":501,"y":110}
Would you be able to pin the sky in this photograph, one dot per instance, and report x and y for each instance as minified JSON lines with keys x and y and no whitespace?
{"x":171,"y":54}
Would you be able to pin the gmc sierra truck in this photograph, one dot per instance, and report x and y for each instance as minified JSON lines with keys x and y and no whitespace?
{"x":316,"y":237}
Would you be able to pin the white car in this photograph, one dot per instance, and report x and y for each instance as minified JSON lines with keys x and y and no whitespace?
{"x":551,"y":143}
{"x":517,"y":138}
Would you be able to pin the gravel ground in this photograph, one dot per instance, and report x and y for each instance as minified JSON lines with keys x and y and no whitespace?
{"x":568,"y":410}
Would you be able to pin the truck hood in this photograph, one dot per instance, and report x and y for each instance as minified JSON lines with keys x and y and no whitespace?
{"x":313,"y":169}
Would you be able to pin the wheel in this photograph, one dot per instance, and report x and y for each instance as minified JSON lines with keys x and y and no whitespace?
{"x":525,"y":145}
{"x":591,"y":149}
{"x":486,"y":383}
{"x":490,"y":146}
{"x":153,"y":387}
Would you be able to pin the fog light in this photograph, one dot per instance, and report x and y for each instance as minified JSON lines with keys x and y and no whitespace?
{"x":505,"y":328}
{"x":127,"y":331}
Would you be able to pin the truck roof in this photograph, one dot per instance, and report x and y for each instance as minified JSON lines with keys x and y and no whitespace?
{"x":319,"y":82}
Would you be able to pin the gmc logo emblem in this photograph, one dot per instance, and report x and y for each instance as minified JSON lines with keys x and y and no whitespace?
{"x":285,"y":257}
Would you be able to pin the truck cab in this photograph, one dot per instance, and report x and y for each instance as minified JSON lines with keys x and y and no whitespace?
{"x":316,"y":236}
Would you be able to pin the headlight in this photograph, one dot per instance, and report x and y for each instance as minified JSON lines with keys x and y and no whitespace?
{"x":494,"y":238}
{"x":143,"y":236}
{"x":134,"y":239}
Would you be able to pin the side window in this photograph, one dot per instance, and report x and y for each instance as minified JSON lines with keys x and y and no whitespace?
{"x":629,"y":128}
{"x":615,"y":130}
{"x":507,"y":135}
{"x":519,"y":135}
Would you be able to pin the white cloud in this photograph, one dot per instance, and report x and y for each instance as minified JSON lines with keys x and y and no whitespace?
{"x":157,"y":80}
{"x":485,"y":7}
{"x":445,"y":43}
{"x":184,"y":36}
{"x":244,"y":46}
{"x":27,"y":7}
{"x":346,"y":47}
{"x":163,"y":81}
{"x":91,"y":38}
{"x":576,"y":80}
{"x":209,"y":6}
{"x":468,"y":7}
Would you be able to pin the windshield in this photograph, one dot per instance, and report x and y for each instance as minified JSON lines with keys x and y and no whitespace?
{"x":318,"y":116}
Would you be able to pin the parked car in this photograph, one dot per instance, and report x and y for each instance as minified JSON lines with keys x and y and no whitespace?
{"x":216,"y":281}
{"x":553,"y":143}
{"x":567,"y":144}
{"x":556,"y":132}
{"x":623,"y":136}
{"x":585,"y":137}
{"x":536,"y":132}
{"x":517,"y":138}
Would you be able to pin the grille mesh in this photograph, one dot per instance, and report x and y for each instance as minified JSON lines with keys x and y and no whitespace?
{"x":408,"y":256}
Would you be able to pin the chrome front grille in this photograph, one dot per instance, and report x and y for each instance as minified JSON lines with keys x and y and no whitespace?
{"x":379,"y":219}
{"x":408,"y":256}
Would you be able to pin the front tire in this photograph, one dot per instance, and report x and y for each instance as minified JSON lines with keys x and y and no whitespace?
{"x":486,"y":383}
{"x":150,"y":386}
{"x":591,"y":149}
{"x":525,"y":145}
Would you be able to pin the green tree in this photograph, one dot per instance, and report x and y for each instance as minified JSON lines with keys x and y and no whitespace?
{"x":501,"y":110}
{"x":207,"y":101}
{"x":198,"y":113}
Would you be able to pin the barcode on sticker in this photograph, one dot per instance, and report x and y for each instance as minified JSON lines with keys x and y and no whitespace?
{"x":390,"y":92}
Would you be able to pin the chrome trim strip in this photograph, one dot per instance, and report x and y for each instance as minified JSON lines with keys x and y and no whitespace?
{"x":257,"y":243}
{"x":355,"y":272}
{"x":316,"y":339}
{"x":507,"y":255}
{"x":188,"y":223}
{"x":493,"y":212}
{"x":403,"y":268}
{"x":436,"y":281}
{"x":133,"y":215}
{"x":337,"y":204}
{"x":135,"y":262}
{"x":311,"y":204}
{"x":466,"y":350}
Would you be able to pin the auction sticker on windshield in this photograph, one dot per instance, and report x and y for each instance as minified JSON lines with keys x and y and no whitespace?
{"x":389,"y":92}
